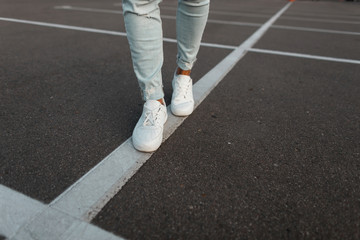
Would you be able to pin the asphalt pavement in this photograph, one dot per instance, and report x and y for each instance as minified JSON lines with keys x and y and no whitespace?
{"x":271,"y":153}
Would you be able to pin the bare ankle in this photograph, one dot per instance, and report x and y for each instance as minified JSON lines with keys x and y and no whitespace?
{"x":179,"y":71}
{"x":161,"y":100}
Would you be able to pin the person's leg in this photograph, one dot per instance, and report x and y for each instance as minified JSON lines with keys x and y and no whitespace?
{"x":144,"y":32}
{"x":190,"y":24}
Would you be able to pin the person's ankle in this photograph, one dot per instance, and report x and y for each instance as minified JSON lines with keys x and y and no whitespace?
{"x":161,"y":100}
{"x":180,"y":71}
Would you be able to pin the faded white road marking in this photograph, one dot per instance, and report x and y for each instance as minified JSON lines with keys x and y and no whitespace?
{"x":318,"y":30}
{"x":216,"y":21}
{"x":15,"y":210}
{"x":308,"y":56}
{"x":321,"y":20}
{"x":94,"y":30}
{"x":62,"y":26}
{"x":23,"y":218}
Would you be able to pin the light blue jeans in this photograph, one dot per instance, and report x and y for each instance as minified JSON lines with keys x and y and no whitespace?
{"x":144,"y":33}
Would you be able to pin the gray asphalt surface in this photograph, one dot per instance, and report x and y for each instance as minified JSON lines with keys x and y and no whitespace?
{"x":262,"y":166}
{"x":272,"y":153}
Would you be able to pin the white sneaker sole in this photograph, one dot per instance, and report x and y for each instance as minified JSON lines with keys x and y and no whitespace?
{"x":182,"y":112}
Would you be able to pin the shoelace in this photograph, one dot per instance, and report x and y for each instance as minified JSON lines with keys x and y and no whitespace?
{"x":183,"y":89}
{"x":152,"y":117}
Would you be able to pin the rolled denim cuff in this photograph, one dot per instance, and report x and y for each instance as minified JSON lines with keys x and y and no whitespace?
{"x":153,"y":93}
{"x":185,"y":65}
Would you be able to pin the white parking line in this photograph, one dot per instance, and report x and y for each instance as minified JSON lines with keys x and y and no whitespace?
{"x":54,"y":25}
{"x":15,"y":210}
{"x":23,"y":218}
{"x":94,"y":30}
{"x":84,"y":9}
{"x":321,"y":20}
{"x":321,"y":15}
{"x":235,"y":23}
{"x":308,"y":56}
{"x":318,"y":30}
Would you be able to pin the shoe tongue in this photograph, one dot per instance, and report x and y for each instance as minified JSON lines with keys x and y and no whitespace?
{"x":151,"y":104}
{"x":182,"y":79}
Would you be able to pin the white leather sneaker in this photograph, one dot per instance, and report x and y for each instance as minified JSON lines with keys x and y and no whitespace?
{"x":182,"y":101}
{"x":148,"y":132}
